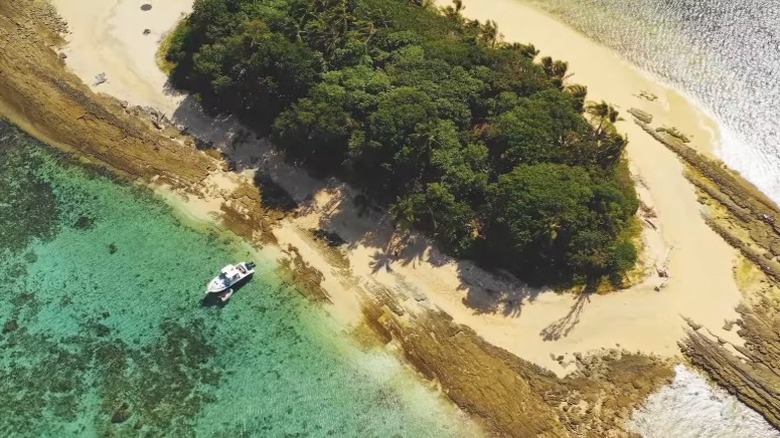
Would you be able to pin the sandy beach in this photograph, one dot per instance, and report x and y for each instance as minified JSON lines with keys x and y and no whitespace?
{"x":537,"y":325}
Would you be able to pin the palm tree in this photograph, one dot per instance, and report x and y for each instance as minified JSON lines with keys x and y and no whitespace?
{"x":605,"y":114}
{"x":489,"y":33}
{"x":453,"y":13}
{"x":402,"y":213}
{"x":555,"y":70}
{"x":458,"y":6}
{"x":578,"y":92}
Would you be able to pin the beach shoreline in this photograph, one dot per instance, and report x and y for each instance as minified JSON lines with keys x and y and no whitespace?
{"x":550,"y":330}
{"x":537,"y":325}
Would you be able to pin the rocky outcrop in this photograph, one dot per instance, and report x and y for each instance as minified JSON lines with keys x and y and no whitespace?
{"x":750,"y":222}
{"x":41,"y":96}
{"x":755,"y":380}
{"x":58,"y":108}
{"x":510,"y":396}
{"x":122,"y":414}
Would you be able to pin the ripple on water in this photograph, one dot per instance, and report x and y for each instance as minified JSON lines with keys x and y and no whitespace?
{"x":101,"y":310}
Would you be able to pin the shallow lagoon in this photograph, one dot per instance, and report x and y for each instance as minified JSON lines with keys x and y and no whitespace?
{"x":102,"y":287}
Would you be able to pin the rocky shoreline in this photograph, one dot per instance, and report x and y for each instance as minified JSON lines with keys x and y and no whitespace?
{"x":749,"y":222}
{"x":510,"y":396}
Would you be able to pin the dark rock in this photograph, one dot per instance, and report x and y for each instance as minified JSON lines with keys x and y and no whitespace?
{"x":102,"y":331}
{"x":112,"y":248}
{"x":122,"y":414}
{"x":147,"y":31}
{"x":31,"y":257}
{"x":10,"y":326}
{"x":84,"y":222}
{"x":641,"y":115}
{"x":146,"y":7}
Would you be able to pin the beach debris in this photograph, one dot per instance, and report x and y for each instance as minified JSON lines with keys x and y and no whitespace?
{"x":99,"y":79}
{"x":122,"y":414}
{"x":674,"y":132}
{"x":157,"y":117}
{"x":663,"y":270}
{"x":331,"y":239}
{"x":646,"y":95}
{"x":647,"y":210}
{"x":147,"y":32}
{"x":146,"y":7}
{"x":641,"y":115}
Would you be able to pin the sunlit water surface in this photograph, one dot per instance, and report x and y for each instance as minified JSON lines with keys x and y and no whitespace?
{"x":724,"y":54}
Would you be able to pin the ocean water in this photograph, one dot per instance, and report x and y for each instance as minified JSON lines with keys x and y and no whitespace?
{"x":101,"y":307}
{"x":691,"y":408}
{"x":724,"y":54}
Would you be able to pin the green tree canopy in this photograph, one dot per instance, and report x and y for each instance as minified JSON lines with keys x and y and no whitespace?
{"x":463,"y":136}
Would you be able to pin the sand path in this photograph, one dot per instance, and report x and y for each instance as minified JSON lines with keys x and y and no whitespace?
{"x":107,"y":37}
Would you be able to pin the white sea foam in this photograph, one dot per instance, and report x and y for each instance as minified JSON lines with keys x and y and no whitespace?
{"x":689,"y":407}
{"x":758,"y":166}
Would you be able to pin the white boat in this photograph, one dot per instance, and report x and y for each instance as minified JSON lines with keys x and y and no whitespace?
{"x":229,"y":276}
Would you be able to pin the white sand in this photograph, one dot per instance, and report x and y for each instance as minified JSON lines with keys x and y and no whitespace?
{"x":107,"y":37}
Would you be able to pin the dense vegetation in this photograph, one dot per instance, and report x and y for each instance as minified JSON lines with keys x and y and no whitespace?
{"x":464,"y":137}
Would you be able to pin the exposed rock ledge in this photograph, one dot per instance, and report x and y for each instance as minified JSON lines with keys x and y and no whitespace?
{"x":750,"y":222}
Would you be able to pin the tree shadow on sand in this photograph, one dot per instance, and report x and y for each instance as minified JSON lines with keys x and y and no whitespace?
{"x":494,"y":293}
{"x":379,"y":260}
{"x":561,"y":328}
{"x":347,"y":214}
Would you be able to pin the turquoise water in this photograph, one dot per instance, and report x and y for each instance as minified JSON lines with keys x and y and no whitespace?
{"x":101,"y":308}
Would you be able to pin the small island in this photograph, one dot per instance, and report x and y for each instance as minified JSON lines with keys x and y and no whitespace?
{"x":468,"y":138}
{"x":432,"y":202}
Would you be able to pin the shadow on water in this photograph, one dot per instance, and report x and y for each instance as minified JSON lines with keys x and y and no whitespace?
{"x":215,"y":300}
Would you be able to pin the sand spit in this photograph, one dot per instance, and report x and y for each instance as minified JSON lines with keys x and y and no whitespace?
{"x":401,"y":300}
{"x":750,"y":222}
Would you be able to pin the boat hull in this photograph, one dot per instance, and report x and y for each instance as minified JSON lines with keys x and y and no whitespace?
{"x":230,"y":277}
{"x":220,"y":289}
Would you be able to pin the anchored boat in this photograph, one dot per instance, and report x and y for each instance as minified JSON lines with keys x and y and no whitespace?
{"x":230,"y":276}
